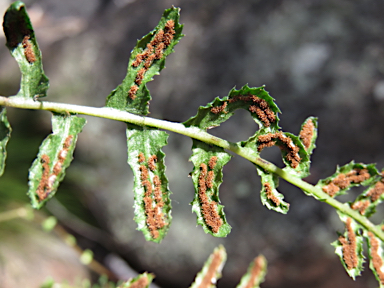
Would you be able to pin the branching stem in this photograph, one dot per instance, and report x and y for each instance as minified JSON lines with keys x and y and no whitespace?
{"x":193,"y":132}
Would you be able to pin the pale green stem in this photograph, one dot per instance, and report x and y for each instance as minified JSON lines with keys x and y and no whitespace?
{"x":196,"y":133}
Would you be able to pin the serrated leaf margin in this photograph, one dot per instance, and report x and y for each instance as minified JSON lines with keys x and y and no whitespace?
{"x":351,"y":236}
{"x":202,"y":154}
{"x":211,"y":270}
{"x":148,"y":142}
{"x":54,"y":157}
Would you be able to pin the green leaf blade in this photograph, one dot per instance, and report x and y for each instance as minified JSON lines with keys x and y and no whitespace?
{"x":289,"y":156}
{"x":147,"y":60}
{"x":257,"y":101}
{"x":376,"y":256}
{"x":5,"y":135}
{"x":349,"y":247}
{"x":348,"y":176}
{"x":207,"y":176}
{"x":22,"y":43}
{"x":55,"y":155}
{"x":152,"y":196}
{"x":308,"y":134}
{"x":255,"y":274}
{"x":367,"y":202}
{"x":269,"y":195}
{"x":293,"y":153}
{"x":211,"y":270}
{"x":140,"y":281}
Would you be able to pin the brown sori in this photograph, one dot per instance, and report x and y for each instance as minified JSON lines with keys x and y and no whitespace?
{"x":343,"y":181}
{"x":149,"y":60}
{"x":376,"y":192}
{"x":212,"y":162}
{"x":376,"y":258}
{"x":287,"y":144}
{"x":210,"y":178}
{"x":260,"y":108}
{"x":349,"y":246}
{"x":209,"y":208}
{"x":132,"y":92}
{"x":153,"y":201}
{"x":258,"y":264}
{"x":28,"y":49}
{"x":158,"y":38}
{"x":141,"y":157}
{"x":140,"y":76}
{"x":42,"y":190}
{"x":212,"y":270}
{"x":361,"y":206}
{"x":140,"y":283}
{"x":219,"y":109}
{"x":270,"y":195}
{"x":62,"y":155}
{"x":152,"y":52}
{"x":306,"y":133}
{"x":211,"y":174}
{"x":159,"y":50}
{"x":152,"y":162}
{"x":169,"y":32}
{"x":47,"y":180}
{"x":68,"y":141}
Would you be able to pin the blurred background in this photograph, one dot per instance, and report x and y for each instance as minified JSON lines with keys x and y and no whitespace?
{"x":316,"y":58}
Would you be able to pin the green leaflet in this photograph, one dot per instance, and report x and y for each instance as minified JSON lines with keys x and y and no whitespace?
{"x":349,"y":246}
{"x":147,"y":59}
{"x":152,"y":203}
{"x":294,"y":155}
{"x":376,"y":256}
{"x":302,"y":169}
{"x":55,"y":155}
{"x":264,"y":112}
{"x":23,"y":46}
{"x":255,"y":274}
{"x":270,"y":197}
{"x":5,"y":134}
{"x":142,"y":281}
{"x":207,"y":176}
{"x":348,"y":176}
{"x":257,"y":101}
{"x":367,"y":202}
{"x":308,"y":134}
{"x":211,"y":271}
